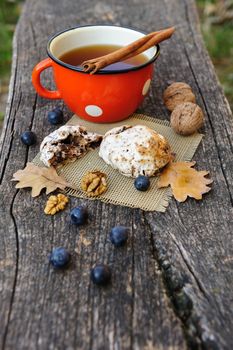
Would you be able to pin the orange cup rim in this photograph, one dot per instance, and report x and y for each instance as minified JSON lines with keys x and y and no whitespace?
{"x":100,"y":72}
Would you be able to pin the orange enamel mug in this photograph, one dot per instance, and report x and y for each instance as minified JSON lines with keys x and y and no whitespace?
{"x":106,"y":96}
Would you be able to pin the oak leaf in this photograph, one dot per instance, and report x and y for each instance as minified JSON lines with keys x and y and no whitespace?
{"x":38,"y":178}
{"x":184,"y":180}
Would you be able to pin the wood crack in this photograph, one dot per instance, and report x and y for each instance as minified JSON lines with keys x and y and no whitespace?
{"x":196,"y":331}
{"x":12,"y":214}
{"x":189,"y":267}
{"x":10,"y":97}
{"x":157,"y":252}
{"x":33,"y":112}
{"x":200,"y":286}
{"x":11,"y":135}
{"x":16,"y":272}
{"x":214,"y":137}
{"x":207,"y":113}
{"x":17,"y":251}
{"x":33,"y":34}
{"x":133,"y":294}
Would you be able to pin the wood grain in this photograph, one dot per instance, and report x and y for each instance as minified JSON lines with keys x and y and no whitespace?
{"x":172,"y":284}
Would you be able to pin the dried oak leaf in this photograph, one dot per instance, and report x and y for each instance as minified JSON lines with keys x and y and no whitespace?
{"x":38,"y":178}
{"x":184,"y":180}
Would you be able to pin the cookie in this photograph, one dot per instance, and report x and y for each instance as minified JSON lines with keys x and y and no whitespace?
{"x":135,"y":150}
{"x":67,"y":144}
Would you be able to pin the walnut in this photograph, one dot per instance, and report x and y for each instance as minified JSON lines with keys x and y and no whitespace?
{"x":55,"y":204}
{"x":94,"y":183}
{"x":187,"y":118}
{"x":178,"y":93}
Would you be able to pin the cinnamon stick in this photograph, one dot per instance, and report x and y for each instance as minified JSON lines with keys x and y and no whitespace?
{"x":133,"y":49}
{"x":154,"y":40}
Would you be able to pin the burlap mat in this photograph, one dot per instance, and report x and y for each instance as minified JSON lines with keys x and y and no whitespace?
{"x":121,"y":189}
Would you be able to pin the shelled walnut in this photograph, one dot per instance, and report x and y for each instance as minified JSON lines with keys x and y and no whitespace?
{"x":177,"y":93}
{"x":94,"y":183}
{"x":55,"y":204}
{"x":187,"y":118}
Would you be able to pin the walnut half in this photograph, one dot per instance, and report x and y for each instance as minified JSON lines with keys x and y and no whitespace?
{"x":94,"y":183}
{"x":55,"y":204}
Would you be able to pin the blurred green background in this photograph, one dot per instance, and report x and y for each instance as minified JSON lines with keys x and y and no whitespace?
{"x":217,"y":27}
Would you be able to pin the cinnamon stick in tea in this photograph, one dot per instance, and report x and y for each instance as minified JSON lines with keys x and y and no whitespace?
{"x":115,"y":56}
{"x":133,"y":49}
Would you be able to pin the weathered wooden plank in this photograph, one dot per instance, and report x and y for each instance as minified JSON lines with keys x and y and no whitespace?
{"x":172,"y":284}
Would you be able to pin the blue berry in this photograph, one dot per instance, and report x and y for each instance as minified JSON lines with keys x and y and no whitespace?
{"x":142,"y":183}
{"x":79,"y":215}
{"x":59,"y":257}
{"x":100,"y":274}
{"x":55,"y":116}
{"x":119,"y":235}
{"x":28,"y":138}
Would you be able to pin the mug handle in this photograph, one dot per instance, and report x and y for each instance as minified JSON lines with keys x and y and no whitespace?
{"x":42,"y":91}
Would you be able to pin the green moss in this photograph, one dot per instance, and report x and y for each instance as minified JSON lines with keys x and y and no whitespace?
{"x":1,"y":116}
